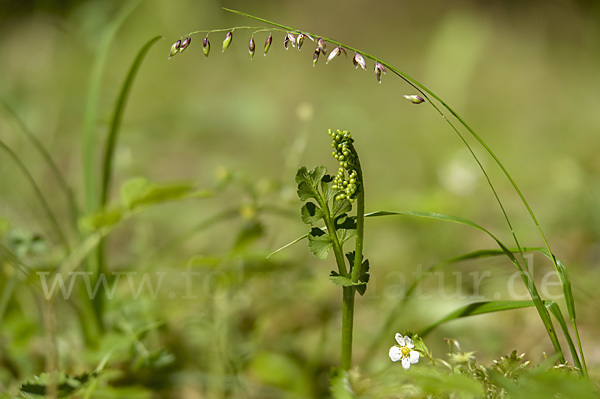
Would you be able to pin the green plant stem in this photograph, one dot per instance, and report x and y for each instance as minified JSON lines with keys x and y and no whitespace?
{"x":350,"y":292}
{"x":338,"y":250}
{"x":347,"y":326}
{"x":425,"y":92}
{"x":360,"y":221}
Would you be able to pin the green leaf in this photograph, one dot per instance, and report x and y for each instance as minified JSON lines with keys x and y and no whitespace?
{"x":111,"y":140}
{"x":65,"y":383}
{"x":478,"y":308}
{"x":339,"y":384}
{"x":344,"y":281}
{"x":364,"y":272}
{"x":289,"y":244}
{"x":340,"y":207}
{"x":327,"y":188}
{"x":140,"y":192}
{"x":319,"y":243}
{"x":308,"y":182}
{"x":564,"y":280}
{"x":527,"y":280}
{"x":555,"y":310}
{"x":106,"y":218}
{"x":345,"y":228}
{"x":311,"y":213}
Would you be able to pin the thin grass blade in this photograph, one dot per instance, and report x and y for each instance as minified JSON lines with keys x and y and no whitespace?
{"x":478,"y":308}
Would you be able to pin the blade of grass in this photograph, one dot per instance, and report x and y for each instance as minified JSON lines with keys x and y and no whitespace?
{"x":111,"y":140}
{"x":555,"y":310}
{"x":49,"y":161}
{"x":478,"y":308}
{"x":7,"y":292}
{"x":45,"y":206}
{"x":427,"y":93}
{"x":91,"y":108}
{"x":527,"y":279}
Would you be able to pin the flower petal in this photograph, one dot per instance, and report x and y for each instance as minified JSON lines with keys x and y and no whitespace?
{"x":395,"y":354}
{"x":414,"y":357}
{"x":409,"y":342}
{"x":400,"y":339}
{"x":405,"y":363}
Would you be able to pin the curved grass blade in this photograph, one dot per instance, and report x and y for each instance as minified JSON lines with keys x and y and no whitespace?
{"x":49,"y":161}
{"x":111,"y":140}
{"x":478,"y":308}
{"x":526,"y":277}
{"x":427,"y":93}
{"x":47,"y":210}
{"x":91,"y":108}
{"x":566,"y":287}
{"x":289,"y":244}
{"x":555,"y":310}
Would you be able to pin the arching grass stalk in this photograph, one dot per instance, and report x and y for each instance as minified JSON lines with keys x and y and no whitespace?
{"x":381,"y":67}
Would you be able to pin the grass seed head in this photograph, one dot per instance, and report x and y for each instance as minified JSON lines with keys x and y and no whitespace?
{"x":268,"y":43}
{"x":175,"y":48}
{"x":227,"y":40}
{"x":316,"y":55}
{"x":300,"y":40}
{"x":206,"y":47}
{"x":186,"y":42}
{"x":289,"y":39}
{"x":322,"y":45}
{"x":414,"y":98}
{"x":378,"y":70}
{"x":251,"y":47}
{"x":335,"y":53}
{"x":359,"y":61}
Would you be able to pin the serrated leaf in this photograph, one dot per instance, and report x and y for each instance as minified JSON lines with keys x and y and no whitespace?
{"x":308,"y":182}
{"x":311,"y":213}
{"x":319,"y":243}
{"x":340,"y":207}
{"x":327,"y":188}
{"x":364,"y":272}
{"x":344,"y":281}
{"x":345,"y":228}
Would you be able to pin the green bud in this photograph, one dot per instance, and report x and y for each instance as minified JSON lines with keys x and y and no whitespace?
{"x":251,"y":47}
{"x":186,"y":42}
{"x":206,"y":47}
{"x":175,"y":48}
{"x":415,"y":99}
{"x":268,"y":43}
{"x":227,"y":40}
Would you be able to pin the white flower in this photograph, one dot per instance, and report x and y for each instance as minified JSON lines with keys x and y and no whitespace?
{"x":404,"y":350}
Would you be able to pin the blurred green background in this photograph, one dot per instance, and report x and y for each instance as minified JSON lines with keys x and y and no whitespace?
{"x":524,"y":74}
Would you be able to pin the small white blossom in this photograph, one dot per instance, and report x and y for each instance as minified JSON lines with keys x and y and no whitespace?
{"x":404,"y":351}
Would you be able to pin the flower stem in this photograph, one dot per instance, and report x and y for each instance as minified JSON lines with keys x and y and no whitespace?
{"x":350,"y":292}
{"x":347,"y":324}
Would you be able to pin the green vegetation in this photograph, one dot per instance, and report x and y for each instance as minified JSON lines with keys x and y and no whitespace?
{"x":145,"y":264}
